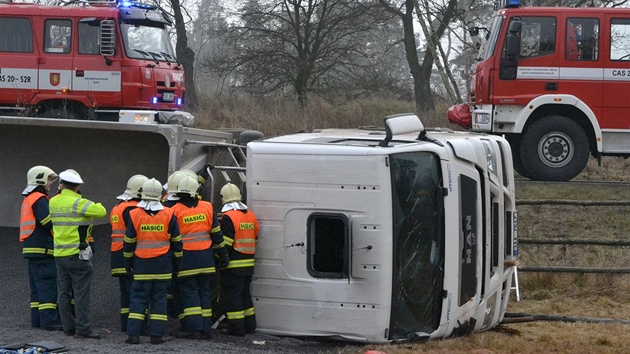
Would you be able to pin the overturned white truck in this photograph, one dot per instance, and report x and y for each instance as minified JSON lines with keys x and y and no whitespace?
{"x":376,"y":237}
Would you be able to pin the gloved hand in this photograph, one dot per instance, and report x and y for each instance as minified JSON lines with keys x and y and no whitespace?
{"x":129,"y":266}
{"x":204,"y":173}
{"x":224,"y":261}
{"x":177,"y":264}
{"x":83,"y":245}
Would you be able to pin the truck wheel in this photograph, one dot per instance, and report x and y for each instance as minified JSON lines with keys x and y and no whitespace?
{"x":517,"y":164}
{"x":554,"y":148}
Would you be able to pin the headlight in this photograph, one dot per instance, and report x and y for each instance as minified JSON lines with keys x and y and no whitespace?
{"x":491,"y":156}
{"x":482,"y":118}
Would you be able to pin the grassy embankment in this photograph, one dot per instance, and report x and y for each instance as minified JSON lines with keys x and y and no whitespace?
{"x":574,"y":295}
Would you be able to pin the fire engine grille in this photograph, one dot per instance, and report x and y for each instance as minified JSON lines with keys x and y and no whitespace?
{"x":229,"y":166}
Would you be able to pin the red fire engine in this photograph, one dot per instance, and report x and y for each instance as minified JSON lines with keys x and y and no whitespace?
{"x":554,"y":81}
{"x":102,"y":61}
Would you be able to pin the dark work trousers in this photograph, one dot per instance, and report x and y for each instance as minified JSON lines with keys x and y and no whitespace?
{"x":145,"y":293}
{"x":42,"y":276}
{"x":196,"y":303}
{"x":124,"y":281}
{"x":238,"y":304}
{"x":74,"y":277}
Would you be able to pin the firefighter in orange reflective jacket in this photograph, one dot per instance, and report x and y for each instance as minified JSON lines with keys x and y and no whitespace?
{"x":38,"y":247}
{"x":152,"y":250}
{"x":202,"y":239}
{"x":240,"y":230}
{"x":128,"y":201}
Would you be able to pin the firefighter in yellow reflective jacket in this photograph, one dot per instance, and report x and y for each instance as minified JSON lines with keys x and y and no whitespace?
{"x":128,"y":201}
{"x":202,"y":239}
{"x":72,"y":216}
{"x":152,"y":250}
{"x":38,"y":247}
{"x":240,"y":230}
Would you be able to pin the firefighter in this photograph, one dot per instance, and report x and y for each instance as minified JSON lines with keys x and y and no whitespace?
{"x":202,"y":240}
{"x":72,"y":224}
{"x":38,"y":248}
{"x":240,"y":229}
{"x":171,"y":188}
{"x":128,"y":201}
{"x":152,"y":251}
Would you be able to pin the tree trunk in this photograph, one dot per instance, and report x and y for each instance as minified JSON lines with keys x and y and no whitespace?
{"x":185,"y":55}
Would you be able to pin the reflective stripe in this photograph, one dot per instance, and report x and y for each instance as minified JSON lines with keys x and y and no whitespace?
{"x":119,"y":271}
{"x":28,"y":223}
{"x":129,"y":240}
{"x":85,"y":207}
{"x":34,"y":305}
{"x":136,"y":316}
{"x":191,"y":311}
{"x":215,"y":229}
{"x":146,"y":244}
{"x":195,"y":237}
{"x":206,"y":312}
{"x":241,"y":263}
{"x":73,"y":223}
{"x":122,"y":232}
{"x":118,"y":240}
{"x":124,"y":310}
{"x":249,"y":312}
{"x":236,"y":315}
{"x":163,"y":276}
{"x":157,"y":317}
{"x":48,"y":306}
{"x":69,"y":246}
{"x":34,"y":250}
{"x":196,"y":271}
{"x":228,"y":241}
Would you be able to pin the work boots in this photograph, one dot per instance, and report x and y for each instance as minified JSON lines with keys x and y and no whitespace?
{"x":157,"y":340}
{"x":133,"y":340}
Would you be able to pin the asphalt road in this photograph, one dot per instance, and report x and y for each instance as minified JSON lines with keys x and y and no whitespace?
{"x":15,"y":319}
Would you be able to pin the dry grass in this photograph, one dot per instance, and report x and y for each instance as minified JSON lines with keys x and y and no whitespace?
{"x":573,"y":295}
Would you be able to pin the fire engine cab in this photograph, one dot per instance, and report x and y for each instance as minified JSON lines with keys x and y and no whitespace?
{"x":554,"y":81}
{"x":102,"y":60}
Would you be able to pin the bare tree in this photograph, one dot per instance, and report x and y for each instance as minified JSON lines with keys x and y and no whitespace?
{"x":421,"y":72}
{"x":297,"y":46}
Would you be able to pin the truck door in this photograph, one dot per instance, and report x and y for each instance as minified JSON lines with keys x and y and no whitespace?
{"x":94,"y":76}
{"x":616,"y":60}
{"x":55,"y":65}
{"x":18,"y":68}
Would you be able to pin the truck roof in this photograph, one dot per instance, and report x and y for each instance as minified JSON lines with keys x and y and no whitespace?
{"x":17,"y":8}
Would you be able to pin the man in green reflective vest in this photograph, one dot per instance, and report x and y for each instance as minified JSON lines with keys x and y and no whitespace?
{"x":72,"y":225}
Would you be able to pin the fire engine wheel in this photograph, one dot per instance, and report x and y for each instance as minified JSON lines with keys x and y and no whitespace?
{"x":554,"y":148}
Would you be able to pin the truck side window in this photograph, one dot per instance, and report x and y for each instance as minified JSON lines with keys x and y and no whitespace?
{"x":16,"y":35}
{"x":620,"y":39}
{"x":582,"y":39}
{"x":538,"y":36}
{"x":327,"y":245}
{"x":58,"y":36}
{"x":88,"y":39}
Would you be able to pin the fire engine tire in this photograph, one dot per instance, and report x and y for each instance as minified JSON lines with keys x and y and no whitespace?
{"x":515,"y":142}
{"x":554,"y":148}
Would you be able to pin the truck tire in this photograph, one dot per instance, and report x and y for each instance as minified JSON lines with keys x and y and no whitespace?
{"x":554,"y":148}
{"x":517,"y":164}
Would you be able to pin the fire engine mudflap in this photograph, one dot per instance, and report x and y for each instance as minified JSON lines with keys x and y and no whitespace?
{"x":106,"y":154}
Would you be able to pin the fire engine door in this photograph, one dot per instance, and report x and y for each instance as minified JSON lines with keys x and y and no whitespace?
{"x":55,"y":66}
{"x":616,"y":59}
{"x":94,"y":76}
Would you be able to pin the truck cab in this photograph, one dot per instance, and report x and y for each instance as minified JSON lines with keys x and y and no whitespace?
{"x":381,"y":236}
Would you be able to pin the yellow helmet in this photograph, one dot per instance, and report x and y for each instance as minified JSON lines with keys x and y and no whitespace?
{"x":151,"y":190}
{"x":134,"y":185}
{"x":230,"y":193}
{"x":188,"y":185}
{"x":173,"y":181}
{"x":38,"y":175}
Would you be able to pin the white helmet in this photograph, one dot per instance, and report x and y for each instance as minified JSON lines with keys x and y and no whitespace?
{"x":230,"y":193}
{"x":134,"y":186}
{"x":173,"y":181}
{"x":151,"y":190}
{"x":38,"y":175}
{"x":189,"y":186}
{"x":192,"y":174}
{"x":70,"y":176}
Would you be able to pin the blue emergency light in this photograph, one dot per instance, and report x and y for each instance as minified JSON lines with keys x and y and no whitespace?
{"x":511,"y":3}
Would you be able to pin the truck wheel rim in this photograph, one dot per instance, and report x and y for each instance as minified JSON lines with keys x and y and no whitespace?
{"x":556,"y":149}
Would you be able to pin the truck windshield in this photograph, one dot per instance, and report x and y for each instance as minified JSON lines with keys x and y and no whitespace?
{"x":147,"y":42}
{"x":418,"y":238}
{"x":487,"y":50}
